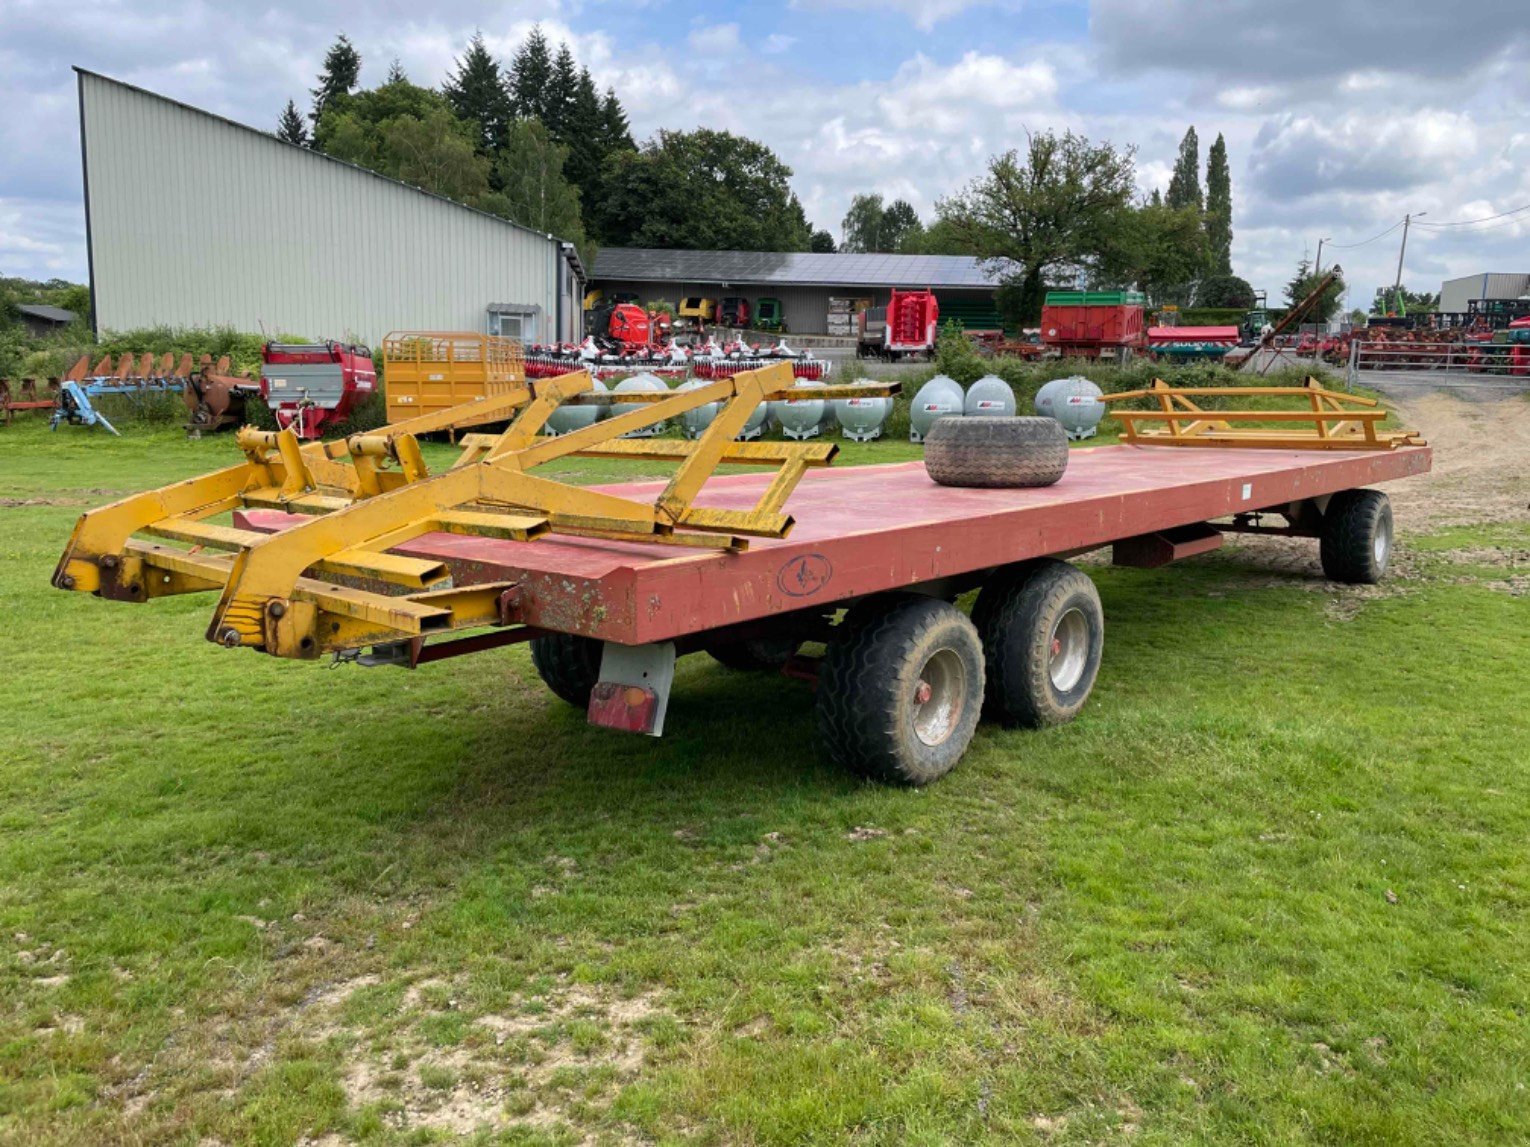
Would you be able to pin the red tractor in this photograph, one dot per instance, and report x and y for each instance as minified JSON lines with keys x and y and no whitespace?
{"x":620,"y":326}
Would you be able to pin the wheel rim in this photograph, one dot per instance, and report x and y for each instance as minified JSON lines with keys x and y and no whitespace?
{"x":1382,"y":546}
{"x":1068,"y":650}
{"x":939,"y":697}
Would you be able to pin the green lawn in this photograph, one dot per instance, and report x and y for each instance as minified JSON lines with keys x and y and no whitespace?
{"x":1271,"y":886}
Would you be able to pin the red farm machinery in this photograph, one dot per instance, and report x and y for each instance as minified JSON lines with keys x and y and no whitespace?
{"x":313,"y":385}
{"x":623,"y":339}
{"x":1093,"y":324}
{"x":906,"y":326}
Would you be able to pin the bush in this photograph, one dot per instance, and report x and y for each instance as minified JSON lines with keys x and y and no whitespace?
{"x":956,"y":356}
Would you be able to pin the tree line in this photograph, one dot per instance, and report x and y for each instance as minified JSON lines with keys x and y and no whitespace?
{"x":535,"y":141}
{"x":1065,"y":210}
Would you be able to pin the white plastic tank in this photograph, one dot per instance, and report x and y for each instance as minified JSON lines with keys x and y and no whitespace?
{"x":693,"y":423}
{"x":638,"y":382}
{"x":758,"y":423}
{"x":990,"y":396}
{"x":861,"y":418}
{"x":1074,"y":402}
{"x":939,"y":398}
{"x":801,"y":418}
{"x":568,"y":417}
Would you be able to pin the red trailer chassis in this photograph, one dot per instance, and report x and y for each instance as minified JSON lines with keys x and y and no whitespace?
{"x":873,"y":529}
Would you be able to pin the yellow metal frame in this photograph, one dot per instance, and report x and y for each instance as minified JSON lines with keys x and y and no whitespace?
{"x":330,"y":583}
{"x":1337,"y":421}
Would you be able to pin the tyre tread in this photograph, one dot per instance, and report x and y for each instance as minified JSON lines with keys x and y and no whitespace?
{"x":859,"y":723}
{"x":1015,"y":601}
{"x":996,"y":452}
{"x":1346,"y":547}
{"x":568,"y":664}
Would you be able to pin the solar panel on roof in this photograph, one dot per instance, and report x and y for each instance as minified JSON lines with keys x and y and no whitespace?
{"x":787,"y":268}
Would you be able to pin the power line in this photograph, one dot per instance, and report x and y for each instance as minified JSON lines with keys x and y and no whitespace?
{"x":1504,"y":215}
{"x":1372,"y":239}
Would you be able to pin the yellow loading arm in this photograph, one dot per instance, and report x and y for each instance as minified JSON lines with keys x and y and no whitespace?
{"x":1332,"y":420}
{"x":330,"y":584}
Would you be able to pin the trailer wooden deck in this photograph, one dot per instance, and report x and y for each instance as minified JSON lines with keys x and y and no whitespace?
{"x":869,"y":529}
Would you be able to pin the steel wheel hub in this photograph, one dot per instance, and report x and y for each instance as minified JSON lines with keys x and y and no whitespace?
{"x":1383,"y":543}
{"x":939,"y":696}
{"x":1068,"y":650}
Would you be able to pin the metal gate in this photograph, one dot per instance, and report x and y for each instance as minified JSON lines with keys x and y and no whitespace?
{"x":1440,"y":365}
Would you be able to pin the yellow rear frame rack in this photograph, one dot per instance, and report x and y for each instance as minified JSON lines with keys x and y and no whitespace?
{"x":330,"y":584}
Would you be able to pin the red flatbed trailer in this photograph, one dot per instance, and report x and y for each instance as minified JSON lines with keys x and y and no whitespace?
{"x":864,"y":533}
{"x":400,"y":566}
{"x":872,"y":529}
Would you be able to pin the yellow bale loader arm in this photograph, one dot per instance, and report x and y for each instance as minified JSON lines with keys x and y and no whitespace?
{"x":330,"y":583}
{"x":1332,"y":421}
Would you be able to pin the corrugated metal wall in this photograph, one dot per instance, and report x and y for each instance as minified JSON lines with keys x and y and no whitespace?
{"x":195,"y":221}
{"x":806,"y":309}
{"x":1456,"y":293}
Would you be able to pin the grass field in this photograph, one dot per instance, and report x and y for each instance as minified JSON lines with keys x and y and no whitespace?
{"x":1272,"y":885}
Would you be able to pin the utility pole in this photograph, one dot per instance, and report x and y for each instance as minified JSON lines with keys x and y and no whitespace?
{"x":1407,"y":219}
{"x":1318,"y":269}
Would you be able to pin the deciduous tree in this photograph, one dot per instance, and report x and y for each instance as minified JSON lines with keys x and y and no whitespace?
{"x":1042,"y":213}
{"x":532,"y":188}
{"x":861,"y":228}
{"x":899,"y":223}
{"x":704,"y":189}
{"x":1225,"y":291}
{"x":435,"y":152}
{"x":1153,"y":248}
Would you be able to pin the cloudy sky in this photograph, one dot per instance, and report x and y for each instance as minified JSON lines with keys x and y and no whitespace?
{"x":1340,"y":115}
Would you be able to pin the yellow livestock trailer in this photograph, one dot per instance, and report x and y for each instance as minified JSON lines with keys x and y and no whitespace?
{"x":429,"y":371}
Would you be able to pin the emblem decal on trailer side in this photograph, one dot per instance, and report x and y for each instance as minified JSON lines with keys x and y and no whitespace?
{"x":804,"y":575}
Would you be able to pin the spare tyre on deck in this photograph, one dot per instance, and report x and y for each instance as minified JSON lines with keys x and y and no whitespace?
{"x":989,"y":452}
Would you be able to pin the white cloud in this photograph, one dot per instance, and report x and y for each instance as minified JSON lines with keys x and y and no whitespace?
{"x":1297,"y":156}
{"x":1334,"y":133}
{"x":924,"y":14}
{"x":715,"y":40}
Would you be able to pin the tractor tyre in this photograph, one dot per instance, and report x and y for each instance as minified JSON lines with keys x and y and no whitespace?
{"x":569,"y":665}
{"x":1043,"y":634}
{"x":988,"y":452}
{"x":899,"y":696}
{"x":1356,"y":543}
{"x":766,"y":653}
